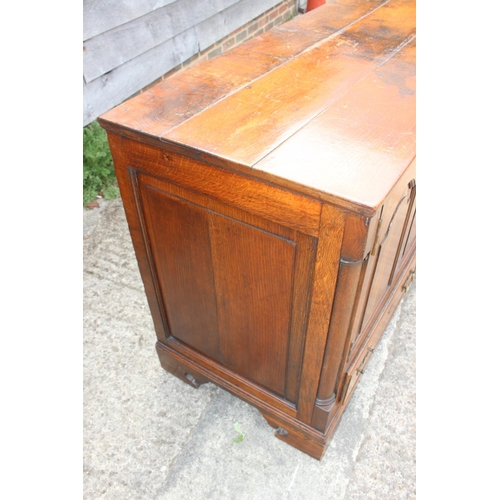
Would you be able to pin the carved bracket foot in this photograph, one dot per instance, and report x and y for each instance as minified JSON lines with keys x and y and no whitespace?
{"x":304,"y":438}
{"x":180,"y":370}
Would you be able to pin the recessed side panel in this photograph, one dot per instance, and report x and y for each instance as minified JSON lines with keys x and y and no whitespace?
{"x":228,"y":282}
{"x":408,"y":235}
{"x":394,"y":245}
{"x":397,"y":218}
{"x":180,"y":242}
{"x":254,"y":273}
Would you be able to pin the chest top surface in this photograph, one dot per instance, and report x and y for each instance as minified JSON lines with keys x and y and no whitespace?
{"x":324,"y":102}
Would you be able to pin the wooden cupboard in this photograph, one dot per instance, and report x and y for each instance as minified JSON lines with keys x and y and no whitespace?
{"x":271,"y":199}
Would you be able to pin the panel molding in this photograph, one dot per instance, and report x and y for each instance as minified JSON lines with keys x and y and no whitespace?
{"x":299,"y":285}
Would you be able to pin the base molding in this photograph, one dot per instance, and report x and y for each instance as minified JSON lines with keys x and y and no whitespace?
{"x":327,"y":414}
{"x":289,"y":429}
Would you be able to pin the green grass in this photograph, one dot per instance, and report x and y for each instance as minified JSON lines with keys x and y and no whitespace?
{"x":98,"y":172}
{"x":241,"y":437}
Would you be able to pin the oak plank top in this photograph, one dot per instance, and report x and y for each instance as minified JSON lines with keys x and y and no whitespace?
{"x":324,"y":103}
{"x":366,"y":138}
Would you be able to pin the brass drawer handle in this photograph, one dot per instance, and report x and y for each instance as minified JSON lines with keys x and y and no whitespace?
{"x":362,"y":367}
{"x":408,"y":281}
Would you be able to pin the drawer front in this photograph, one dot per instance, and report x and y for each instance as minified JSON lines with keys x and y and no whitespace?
{"x":354,"y":373}
{"x":357,"y":366}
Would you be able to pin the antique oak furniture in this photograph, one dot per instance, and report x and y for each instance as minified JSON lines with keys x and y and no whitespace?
{"x":270,"y":195}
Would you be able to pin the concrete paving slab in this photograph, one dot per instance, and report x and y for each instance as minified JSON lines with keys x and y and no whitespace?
{"x":385,"y":465}
{"x":147,"y":435}
{"x":136,"y":417}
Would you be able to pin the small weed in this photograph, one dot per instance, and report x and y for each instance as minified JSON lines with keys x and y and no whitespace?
{"x":241,"y":437}
{"x":98,"y":172}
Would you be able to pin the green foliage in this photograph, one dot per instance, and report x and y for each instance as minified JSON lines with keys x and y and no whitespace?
{"x":237,"y":428}
{"x":98,"y":172}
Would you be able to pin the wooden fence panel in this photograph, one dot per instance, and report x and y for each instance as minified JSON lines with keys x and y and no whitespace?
{"x":114,"y":87}
{"x":109,"y":50}
{"x":102,"y":15}
{"x":130,"y":44}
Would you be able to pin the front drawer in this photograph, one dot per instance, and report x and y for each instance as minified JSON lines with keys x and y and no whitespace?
{"x":357,"y":367}
{"x":355,"y":371}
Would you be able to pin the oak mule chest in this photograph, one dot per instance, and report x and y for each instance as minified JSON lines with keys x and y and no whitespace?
{"x":270,"y":196}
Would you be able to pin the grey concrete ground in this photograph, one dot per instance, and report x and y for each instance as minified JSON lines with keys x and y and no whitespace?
{"x":147,"y":435}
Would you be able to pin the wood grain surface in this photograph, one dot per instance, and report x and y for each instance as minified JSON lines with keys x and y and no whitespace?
{"x":340,"y":79}
{"x":359,"y":147}
{"x":262,"y":115}
{"x":170,"y":103}
{"x":271,"y":199}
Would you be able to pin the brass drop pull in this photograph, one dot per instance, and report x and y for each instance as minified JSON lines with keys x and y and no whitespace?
{"x":408,"y":281}
{"x":362,"y":367}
